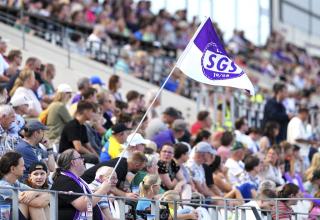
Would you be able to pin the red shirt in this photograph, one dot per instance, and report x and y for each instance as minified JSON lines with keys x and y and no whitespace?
{"x":195,"y":128}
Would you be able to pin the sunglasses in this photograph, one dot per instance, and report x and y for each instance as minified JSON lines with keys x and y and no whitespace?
{"x":76,"y":158}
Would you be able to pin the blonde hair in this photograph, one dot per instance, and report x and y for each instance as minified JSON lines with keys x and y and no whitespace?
{"x":315,"y":165}
{"x":60,"y":97}
{"x":170,"y":196}
{"x":148,"y":181}
{"x":24,"y":75}
{"x":104,"y":171}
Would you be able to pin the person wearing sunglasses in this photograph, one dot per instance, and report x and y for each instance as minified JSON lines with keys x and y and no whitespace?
{"x":29,"y":148}
{"x":67,"y":179}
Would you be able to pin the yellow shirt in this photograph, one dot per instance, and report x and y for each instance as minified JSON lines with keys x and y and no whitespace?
{"x":115,"y":148}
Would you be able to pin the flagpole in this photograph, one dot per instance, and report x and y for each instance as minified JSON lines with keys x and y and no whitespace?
{"x":140,"y":123}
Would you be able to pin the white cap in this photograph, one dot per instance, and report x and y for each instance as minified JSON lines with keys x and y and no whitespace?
{"x":64,"y":88}
{"x":18,"y":100}
{"x":136,"y":139}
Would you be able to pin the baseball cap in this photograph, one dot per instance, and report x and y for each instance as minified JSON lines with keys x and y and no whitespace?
{"x":136,"y":139}
{"x":237,"y":146}
{"x":120,"y":127}
{"x":204,"y":147}
{"x":96,"y":80}
{"x":179,"y":125}
{"x":267,"y":184}
{"x":64,"y":88}
{"x":19,"y":100}
{"x":38,"y":166}
{"x":82,"y":82}
{"x":315,"y":175}
{"x":34,"y":125}
{"x":172,"y":112}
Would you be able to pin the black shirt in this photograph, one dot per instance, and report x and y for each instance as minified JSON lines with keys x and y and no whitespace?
{"x":171,"y":170}
{"x":121,"y":170}
{"x":208,"y":174}
{"x":72,"y":131}
{"x":275,"y":111}
{"x":108,"y":124}
{"x":65,"y":209}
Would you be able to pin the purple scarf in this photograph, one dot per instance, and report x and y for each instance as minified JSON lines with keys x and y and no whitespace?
{"x":85,"y":188}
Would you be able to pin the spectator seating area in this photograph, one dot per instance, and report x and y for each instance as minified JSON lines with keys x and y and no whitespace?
{"x":95,"y":139}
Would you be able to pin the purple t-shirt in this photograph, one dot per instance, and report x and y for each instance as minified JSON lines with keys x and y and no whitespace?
{"x":164,"y":137}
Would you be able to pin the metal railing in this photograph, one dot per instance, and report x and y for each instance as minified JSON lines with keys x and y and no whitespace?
{"x":223,"y":211}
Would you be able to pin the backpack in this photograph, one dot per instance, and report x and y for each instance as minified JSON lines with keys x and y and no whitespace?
{"x":43,"y":116}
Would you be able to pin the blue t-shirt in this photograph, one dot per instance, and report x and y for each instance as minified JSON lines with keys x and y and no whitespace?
{"x":6,"y":194}
{"x":104,"y":155}
{"x":30,"y":154}
{"x":143,"y":205}
{"x":16,"y":126}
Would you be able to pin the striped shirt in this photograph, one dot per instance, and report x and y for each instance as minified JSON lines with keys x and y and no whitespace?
{"x":285,"y":212}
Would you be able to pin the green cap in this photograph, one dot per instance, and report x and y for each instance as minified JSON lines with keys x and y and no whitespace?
{"x":237,"y":146}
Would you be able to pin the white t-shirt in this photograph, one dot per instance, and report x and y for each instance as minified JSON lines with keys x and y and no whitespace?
{"x":272,"y":173}
{"x":34,"y":103}
{"x":235,"y":168}
{"x":248,"y":212}
{"x":3,"y":65}
{"x":298,"y":130}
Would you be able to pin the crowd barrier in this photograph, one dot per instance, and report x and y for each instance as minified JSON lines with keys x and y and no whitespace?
{"x":122,"y":208}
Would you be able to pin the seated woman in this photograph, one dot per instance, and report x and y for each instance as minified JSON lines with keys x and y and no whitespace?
{"x":38,"y":176}
{"x":315,"y":209}
{"x":57,"y":113}
{"x":149,"y":189}
{"x":31,"y":204}
{"x":271,"y":167}
{"x":67,"y":178}
{"x":170,"y":173}
{"x":182,"y":214}
{"x":220,"y":177}
{"x":249,"y":179}
{"x":289,"y":190}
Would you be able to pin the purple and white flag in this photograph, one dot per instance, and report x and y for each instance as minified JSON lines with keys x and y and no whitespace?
{"x":206,"y":61}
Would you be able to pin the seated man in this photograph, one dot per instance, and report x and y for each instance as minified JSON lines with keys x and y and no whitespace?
{"x":170,"y":136}
{"x":134,"y":163}
{"x":7,"y":141}
{"x":31,"y":204}
{"x":20,"y":105}
{"x":195,"y":165}
{"x":113,"y":147}
{"x":74,"y":134}
{"x":137,"y":144}
{"x":263,"y":202}
{"x":234,"y":163}
{"x":30,"y":149}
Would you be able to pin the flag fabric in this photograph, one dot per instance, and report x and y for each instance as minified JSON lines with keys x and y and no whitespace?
{"x":205,"y":60}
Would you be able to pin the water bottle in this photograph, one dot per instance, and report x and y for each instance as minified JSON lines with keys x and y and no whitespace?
{"x":89,"y":209}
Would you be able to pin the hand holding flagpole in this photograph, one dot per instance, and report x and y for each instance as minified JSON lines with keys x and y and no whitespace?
{"x":144,"y":116}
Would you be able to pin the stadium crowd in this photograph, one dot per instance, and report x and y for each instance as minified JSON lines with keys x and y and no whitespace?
{"x":52,"y":137}
{"x":277,"y":59}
